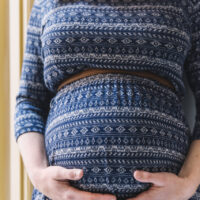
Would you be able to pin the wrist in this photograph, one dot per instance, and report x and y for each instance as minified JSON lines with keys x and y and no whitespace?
{"x":35,"y":175}
{"x":190,"y":177}
{"x":190,"y":183}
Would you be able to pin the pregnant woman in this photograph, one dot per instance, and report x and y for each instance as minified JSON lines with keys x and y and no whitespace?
{"x":101,"y":90}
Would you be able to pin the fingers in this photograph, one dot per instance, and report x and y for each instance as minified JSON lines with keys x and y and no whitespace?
{"x":63,"y":174}
{"x":76,"y":194}
{"x":71,"y":193}
{"x":153,"y":177}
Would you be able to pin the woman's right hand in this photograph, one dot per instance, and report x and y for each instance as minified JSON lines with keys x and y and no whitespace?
{"x":52,"y":181}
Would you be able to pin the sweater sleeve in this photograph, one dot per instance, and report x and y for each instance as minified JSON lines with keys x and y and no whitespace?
{"x":192,"y":64}
{"x":33,"y":97}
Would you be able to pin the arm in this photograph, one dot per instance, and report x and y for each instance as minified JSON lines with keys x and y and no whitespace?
{"x":33,"y":97}
{"x":33,"y":160}
{"x":191,"y":166}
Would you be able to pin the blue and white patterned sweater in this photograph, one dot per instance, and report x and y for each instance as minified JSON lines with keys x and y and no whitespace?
{"x":66,"y":36}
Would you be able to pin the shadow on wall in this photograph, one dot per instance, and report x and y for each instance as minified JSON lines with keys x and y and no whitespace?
{"x":189,"y":104}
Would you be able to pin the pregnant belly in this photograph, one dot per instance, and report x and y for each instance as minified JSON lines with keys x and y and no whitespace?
{"x":109,"y":125}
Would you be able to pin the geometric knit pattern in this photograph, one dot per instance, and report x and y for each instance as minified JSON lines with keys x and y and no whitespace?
{"x":112,"y":124}
{"x":67,"y":36}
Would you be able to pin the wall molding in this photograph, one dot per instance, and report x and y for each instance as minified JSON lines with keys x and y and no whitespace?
{"x":20,"y":185}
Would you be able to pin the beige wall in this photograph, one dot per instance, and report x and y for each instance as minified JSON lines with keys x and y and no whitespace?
{"x":4,"y":102}
{"x":20,"y":185}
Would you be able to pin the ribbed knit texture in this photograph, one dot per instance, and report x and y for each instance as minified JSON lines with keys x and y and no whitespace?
{"x":64,"y":37}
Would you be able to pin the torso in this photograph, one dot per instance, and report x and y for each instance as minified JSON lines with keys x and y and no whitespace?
{"x":130,"y":35}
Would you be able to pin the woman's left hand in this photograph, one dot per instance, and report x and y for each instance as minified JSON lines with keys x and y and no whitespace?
{"x":165,"y":186}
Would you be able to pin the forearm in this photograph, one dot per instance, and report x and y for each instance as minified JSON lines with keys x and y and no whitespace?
{"x":32,"y":149}
{"x":191,"y":166}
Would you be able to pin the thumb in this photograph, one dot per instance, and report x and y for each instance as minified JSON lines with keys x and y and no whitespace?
{"x":61,"y":173}
{"x":153,"y":177}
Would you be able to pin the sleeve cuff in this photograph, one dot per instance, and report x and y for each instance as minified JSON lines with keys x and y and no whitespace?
{"x":28,"y":118}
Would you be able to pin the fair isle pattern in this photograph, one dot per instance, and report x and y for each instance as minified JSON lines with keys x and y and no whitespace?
{"x":111,"y":124}
{"x":65,"y":37}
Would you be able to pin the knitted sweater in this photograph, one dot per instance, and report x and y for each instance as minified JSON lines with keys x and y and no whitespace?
{"x":66,"y":36}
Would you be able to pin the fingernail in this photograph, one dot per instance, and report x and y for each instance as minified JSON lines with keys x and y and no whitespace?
{"x":139,"y":175}
{"x":78,"y":173}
